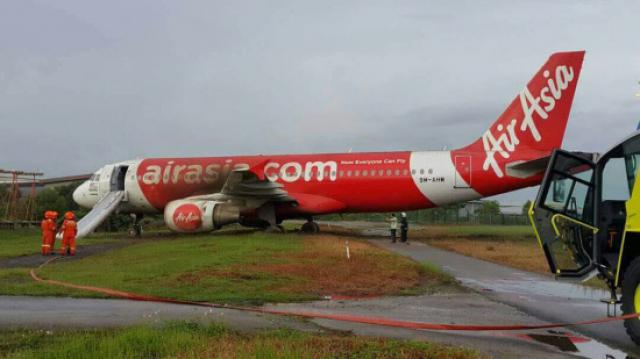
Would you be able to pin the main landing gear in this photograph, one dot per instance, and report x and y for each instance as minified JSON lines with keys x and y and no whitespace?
{"x":310,"y":226}
{"x":267,"y":214}
{"x":136,"y":227}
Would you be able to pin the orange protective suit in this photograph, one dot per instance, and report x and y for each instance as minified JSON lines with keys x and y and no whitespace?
{"x":69,"y":231}
{"x":48,"y":226}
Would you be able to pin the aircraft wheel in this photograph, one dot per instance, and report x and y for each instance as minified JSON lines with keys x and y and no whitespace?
{"x":135,"y":231}
{"x":631,"y":299}
{"x":310,"y":227}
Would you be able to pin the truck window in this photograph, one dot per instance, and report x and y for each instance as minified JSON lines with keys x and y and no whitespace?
{"x":632,"y":168}
{"x":615,"y":186}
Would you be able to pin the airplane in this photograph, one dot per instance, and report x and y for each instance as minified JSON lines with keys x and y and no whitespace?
{"x":202,"y":194}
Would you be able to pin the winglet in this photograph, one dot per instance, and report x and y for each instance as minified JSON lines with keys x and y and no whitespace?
{"x":258,"y":168}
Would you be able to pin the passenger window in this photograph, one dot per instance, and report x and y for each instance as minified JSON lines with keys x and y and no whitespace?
{"x":422,"y":171}
{"x":357,"y":173}
{"x":388,"y":172}
{"x":614,"y":181}
{"x":349,"y":173}
{"x":398,"y":172}
{"x":413,"y":172}
{"x":405,"y":172}
{"x":365,"y":173}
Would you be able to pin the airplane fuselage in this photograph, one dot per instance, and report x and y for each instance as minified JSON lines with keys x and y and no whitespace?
{"x":321,"y":183}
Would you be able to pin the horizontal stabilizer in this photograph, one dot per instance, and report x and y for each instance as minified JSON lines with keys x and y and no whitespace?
{"x":526,"y":169}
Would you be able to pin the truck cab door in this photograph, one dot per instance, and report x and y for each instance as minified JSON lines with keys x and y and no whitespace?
{"x":562,"y":214}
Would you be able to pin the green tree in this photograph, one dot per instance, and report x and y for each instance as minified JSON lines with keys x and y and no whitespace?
{"x":489,"y":208}
{"x":525,"y":207}
{"x":50,"y":200}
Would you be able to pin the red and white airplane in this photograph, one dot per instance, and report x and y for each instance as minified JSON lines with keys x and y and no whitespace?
{"x":205,"y":193}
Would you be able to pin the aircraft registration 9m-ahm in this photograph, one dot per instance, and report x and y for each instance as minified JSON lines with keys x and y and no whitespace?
{"x":205,"y":193}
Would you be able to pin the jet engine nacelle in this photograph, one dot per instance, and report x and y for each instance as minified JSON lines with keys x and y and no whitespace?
{"x":199,"y":216}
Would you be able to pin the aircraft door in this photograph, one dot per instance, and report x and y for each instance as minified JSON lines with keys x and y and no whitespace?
{"x":104,"y":181}
{"x":463,"y":170}
{"x":562,"y":214}
{"x":112,"y":178}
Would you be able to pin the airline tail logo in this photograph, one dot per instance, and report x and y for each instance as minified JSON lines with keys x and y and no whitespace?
{"x":531,"y":127}
{"x":506,"y":140}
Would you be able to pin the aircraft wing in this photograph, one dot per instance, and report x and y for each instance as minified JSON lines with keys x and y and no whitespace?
{"x":249,"y":187}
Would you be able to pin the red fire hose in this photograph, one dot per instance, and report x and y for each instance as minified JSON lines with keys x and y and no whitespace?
{"x":340,"y":317}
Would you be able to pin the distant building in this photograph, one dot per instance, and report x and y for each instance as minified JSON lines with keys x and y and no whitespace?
{"x":469,"y":209}
{"x":511,"y":209}
{"x":25,"y":186}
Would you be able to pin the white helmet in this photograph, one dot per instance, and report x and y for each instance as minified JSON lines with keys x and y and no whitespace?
{"x":404,"y":214}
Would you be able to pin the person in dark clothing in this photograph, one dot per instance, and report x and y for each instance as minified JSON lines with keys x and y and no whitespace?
{"x":404,"y":228}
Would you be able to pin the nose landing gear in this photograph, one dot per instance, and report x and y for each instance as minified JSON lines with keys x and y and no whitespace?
{"x":136,"y":227}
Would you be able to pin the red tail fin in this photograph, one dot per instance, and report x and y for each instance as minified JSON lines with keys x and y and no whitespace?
{"x":535,"y":121}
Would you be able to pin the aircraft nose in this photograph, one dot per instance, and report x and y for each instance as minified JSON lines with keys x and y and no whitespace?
{"x":81,"y":197}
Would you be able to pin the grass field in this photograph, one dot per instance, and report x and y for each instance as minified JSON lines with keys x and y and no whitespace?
{"x":191,"y":340}
{"x":248,"y":268}
{"x":515,"y":246}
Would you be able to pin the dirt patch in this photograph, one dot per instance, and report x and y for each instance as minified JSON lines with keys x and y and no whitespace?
{"x":82,"y":252}
{"x":517,"y":254}
{"x":322,"y":268}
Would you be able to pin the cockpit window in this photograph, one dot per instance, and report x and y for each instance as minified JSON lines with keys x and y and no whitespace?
{"x":95,"y":177}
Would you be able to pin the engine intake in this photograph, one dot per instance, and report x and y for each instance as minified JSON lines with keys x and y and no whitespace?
{"x":199,"y":216}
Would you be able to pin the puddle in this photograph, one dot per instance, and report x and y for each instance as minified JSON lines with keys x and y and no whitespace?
{"x":574,"y":344}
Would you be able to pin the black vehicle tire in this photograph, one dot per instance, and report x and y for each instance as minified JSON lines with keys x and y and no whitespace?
{"x":630,"y":286}
{"x":310,"y":227}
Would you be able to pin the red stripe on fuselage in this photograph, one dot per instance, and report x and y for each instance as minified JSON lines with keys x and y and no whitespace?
{"x":364,"y":182}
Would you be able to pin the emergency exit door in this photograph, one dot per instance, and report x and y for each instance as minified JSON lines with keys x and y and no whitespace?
{"x":463,"y":170}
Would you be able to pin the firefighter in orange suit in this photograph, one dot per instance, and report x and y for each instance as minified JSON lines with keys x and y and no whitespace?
{"x":48,"y":226}
{"x":69,"y":231}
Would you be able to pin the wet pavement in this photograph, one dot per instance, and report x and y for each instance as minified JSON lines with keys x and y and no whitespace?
{"x":540,"y":296}
{"x":34,"y":260}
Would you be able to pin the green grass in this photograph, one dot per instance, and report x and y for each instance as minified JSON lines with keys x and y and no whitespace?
{"x":242,"y":269}
{"x":192,"y":340}
{"x":154,"y":267}
{"x":22,"y":242}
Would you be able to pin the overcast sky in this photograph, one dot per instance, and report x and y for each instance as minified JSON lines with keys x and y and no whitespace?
{"x":84,"y":83}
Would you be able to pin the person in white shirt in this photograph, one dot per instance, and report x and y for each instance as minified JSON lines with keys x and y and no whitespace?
{"x":393,"y":226}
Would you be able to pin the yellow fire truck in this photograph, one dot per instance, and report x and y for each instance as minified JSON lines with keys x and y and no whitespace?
{"x":587,"y":219}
